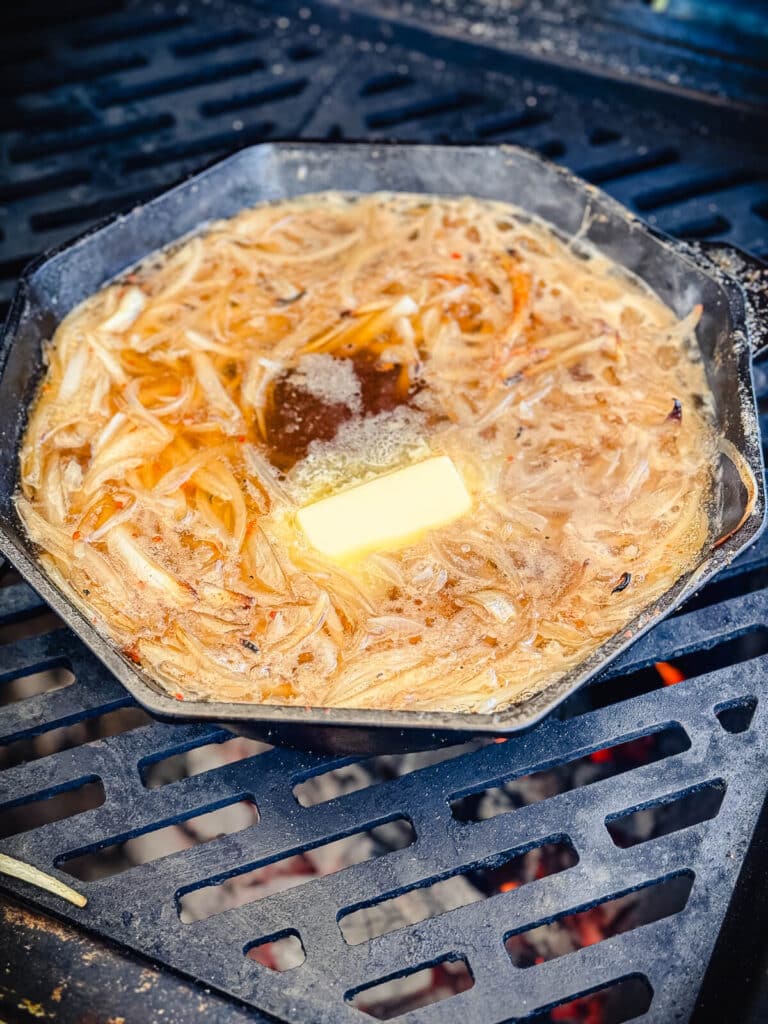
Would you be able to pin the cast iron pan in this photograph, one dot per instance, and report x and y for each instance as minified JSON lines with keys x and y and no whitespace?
{"x":728,"y":284}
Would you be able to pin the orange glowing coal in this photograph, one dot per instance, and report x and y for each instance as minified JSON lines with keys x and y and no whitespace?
{"x":669,"y":673}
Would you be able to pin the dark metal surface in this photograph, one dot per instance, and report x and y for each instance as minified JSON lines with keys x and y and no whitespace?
{"x":138,"y":907}
{"x":79,"y":979}
{"x":704,"y":46}
{"x":682,"y":277}
{"x":76,"y":151}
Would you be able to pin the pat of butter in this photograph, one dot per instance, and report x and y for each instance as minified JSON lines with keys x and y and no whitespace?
{"x":387,"y":512}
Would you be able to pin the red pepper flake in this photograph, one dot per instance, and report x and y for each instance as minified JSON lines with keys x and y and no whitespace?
{"x":76,"y":535}
{"x":455,"y":255}
{"x":272,"y":614}
{"x":179,"y":696}
{"x":131,"y":653}
{"x":156,"y":539}
{"x":509,"y":886}
{"x":510,"y":458}
{"x":539,"y":960}
{"x":242,"y":438}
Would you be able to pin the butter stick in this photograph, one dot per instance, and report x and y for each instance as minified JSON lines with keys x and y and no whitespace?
{"x":388,"y":512}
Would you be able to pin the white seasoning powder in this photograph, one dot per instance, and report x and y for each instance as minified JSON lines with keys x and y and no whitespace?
{"x":330,"y":379}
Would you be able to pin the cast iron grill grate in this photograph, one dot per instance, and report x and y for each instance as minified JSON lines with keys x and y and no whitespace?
{"x":134,"y":100}
{"x":107,"y":110}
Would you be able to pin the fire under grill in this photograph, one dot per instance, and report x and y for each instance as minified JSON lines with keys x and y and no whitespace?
{"x":580,"y":873}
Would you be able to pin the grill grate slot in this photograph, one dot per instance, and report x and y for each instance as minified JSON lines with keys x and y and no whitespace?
{"x":278,"y":952}
{"x":44,"y":808}
{"x":651,"y":902}
{"x":81,"y":72}
{"x":164,"y":769}
{"x":44,"y":185}
{"x":208,"y":145}
{"x":440,"y":896}
{"x":374,"y":1001}
{"x":42,"y":119}
{"x":422,"y":109}
{"x":162,"y":840}
{"x":680,"y":810}
{"x":736,"y":716}
{"x":490,"y":127}
{"x":67,"y":737}
{"x":595,"y":766}
{"x":88,"y":212}
{"x":706,"y":185}
{"x":631,"y":165}
{"x":290,"y":871}
{"x":622,"y":1000}
{"x":701,"y":227}
{"x":353,"y":776}
{"x":197,"y":46}
{"x":90,"y":136}
{"x":118,"y":30}
{"x":202,"y":75}
{"x":246,"y":100}
{"x":389,"y":82}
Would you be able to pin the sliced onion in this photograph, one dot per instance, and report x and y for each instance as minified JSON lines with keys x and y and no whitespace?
{"x":128,"y":309}
{"x":496,"y":603}
{"x":214,"y":390}
{"x":389,"y":624}
{"x":110,"y":363}
{"x":180,"y":474}
{"x":262,"y":562}
{"x":144,"y":568}
{"x":73,"y":374}
{"x":311,"y":621}
{"x":14,"y":868}
{"x":201,"y":343}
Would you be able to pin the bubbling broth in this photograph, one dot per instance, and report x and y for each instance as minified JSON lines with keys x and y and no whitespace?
{"x":193,"y":410}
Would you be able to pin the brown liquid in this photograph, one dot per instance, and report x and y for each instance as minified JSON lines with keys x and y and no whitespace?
{"x":295,"y":417}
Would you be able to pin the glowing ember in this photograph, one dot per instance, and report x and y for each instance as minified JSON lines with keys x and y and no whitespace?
{"x":669,"y":673}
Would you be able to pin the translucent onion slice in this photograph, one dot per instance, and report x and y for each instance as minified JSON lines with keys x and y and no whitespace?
{"x":215,"y":392}
{"x":34,"y":876}
{"x":495,"y":603}
{"x":121,"y":546}
{"x":130,"y":305}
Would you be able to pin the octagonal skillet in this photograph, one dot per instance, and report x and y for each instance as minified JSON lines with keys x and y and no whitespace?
{"x":728,"y":284}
